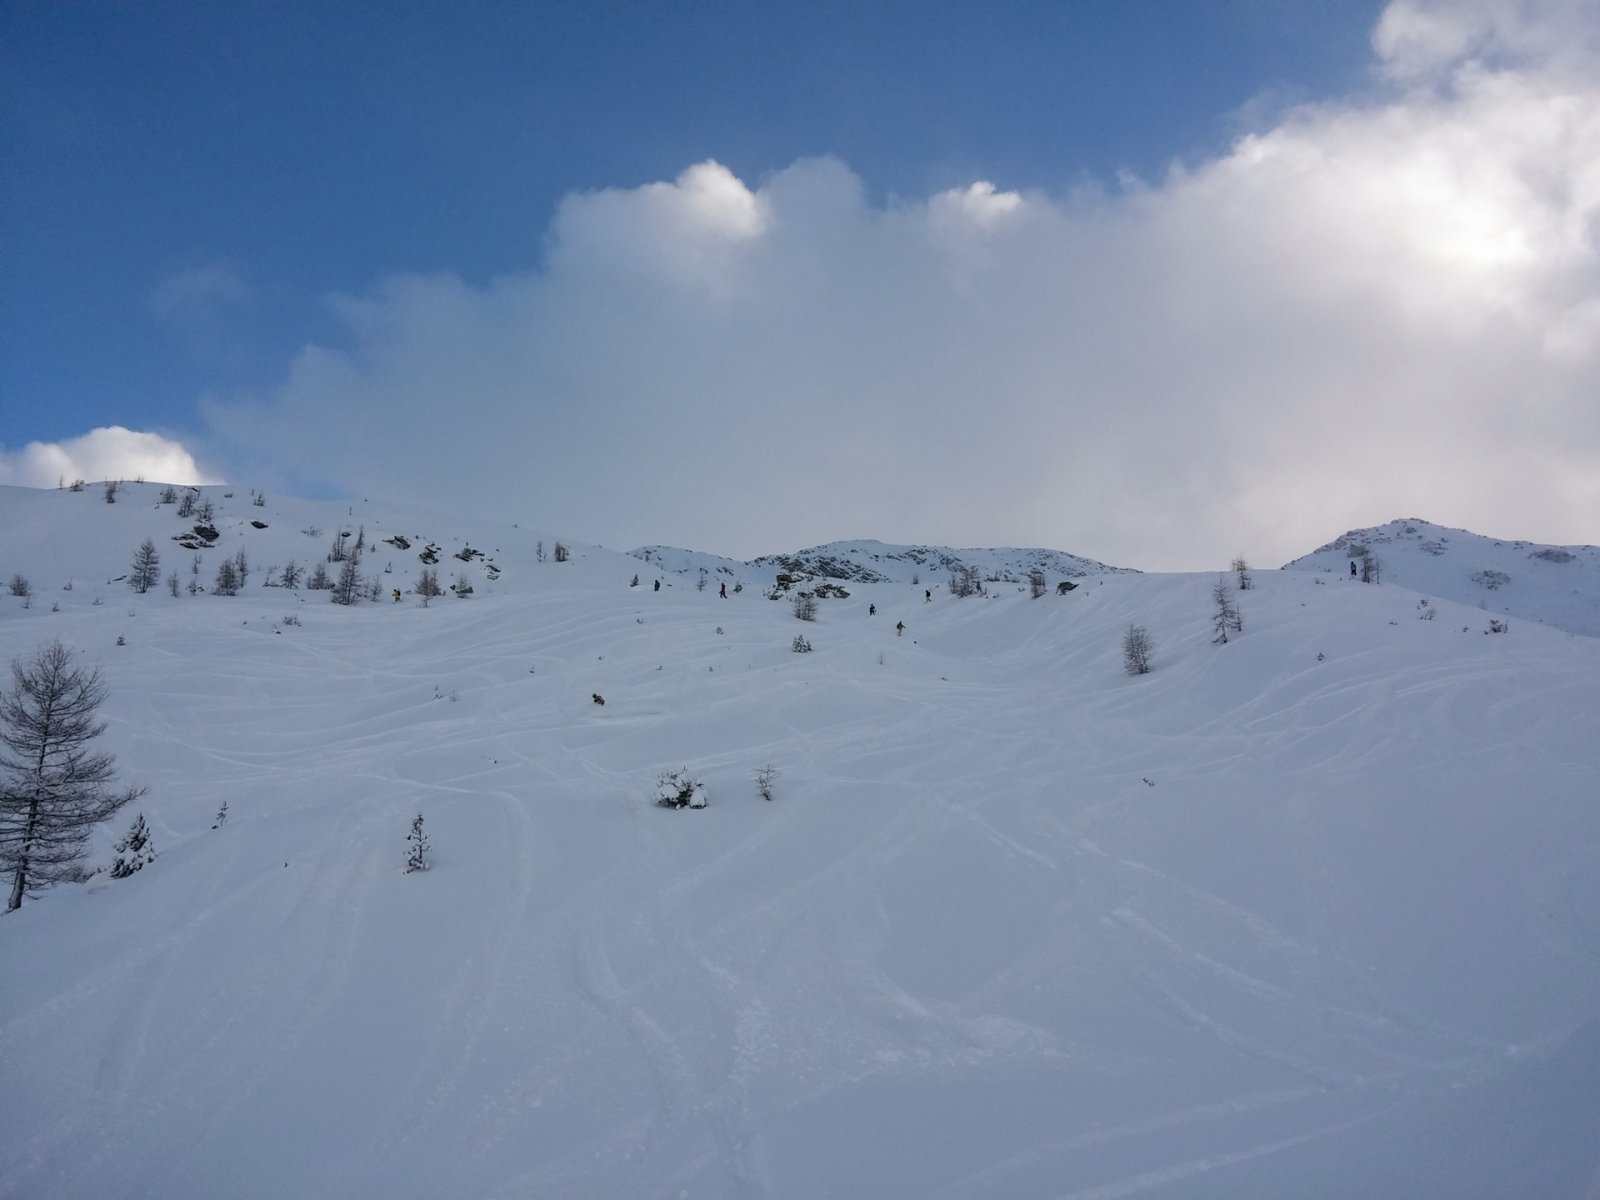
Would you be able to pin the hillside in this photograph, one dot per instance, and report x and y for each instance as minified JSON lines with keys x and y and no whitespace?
{"x":1312,"y":913}
{"x":876,"y":562}
{"x":1549,"y":585}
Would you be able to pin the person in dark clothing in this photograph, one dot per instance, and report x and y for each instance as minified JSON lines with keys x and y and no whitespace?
{"x":872,"y":610}
{"x":658,"y":585}
{"x":724,"y":592}
{"x":899,"y":628}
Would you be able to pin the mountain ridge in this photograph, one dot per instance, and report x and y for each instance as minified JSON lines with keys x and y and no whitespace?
{"x":1548,"y":584}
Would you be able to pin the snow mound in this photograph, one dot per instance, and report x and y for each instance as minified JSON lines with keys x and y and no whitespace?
{"x":1557,"y":586}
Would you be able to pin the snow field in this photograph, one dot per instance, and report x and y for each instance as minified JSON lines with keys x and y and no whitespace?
{"x":1016,"y":925}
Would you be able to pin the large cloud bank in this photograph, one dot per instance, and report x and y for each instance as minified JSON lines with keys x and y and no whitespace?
{"x":1383,"y":306}
{"x":110,"y":452}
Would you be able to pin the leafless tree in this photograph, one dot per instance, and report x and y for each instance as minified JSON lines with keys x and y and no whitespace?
{"x":1137,"y":650}
{"x":1242,"y":569}
{"x":966,"y":581}
{"x":1036,"y":584}
{"x":1227,"y":618}
{"x":805,"y":606}
{"x":53,"y":788}
{"x":348,"y":589}
{"x":766,"y":777}
{"x":145,"y":571}
{"x":227,"y":581}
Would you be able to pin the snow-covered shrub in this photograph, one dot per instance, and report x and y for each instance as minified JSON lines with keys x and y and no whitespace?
{"x":679,"y":789}
{"x":1137,"y":649}
{"x":765,"y":778}
{"x":417,"y":841}
{"x":800,"y":645}
{"x":965,"y":581}
{"x":133,"y":851}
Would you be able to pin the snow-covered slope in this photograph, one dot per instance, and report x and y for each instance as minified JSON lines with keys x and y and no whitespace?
{"x":1550,"y":585}
{"x":1312,"y":913}
{"x":875,"y":562}
{"x":57,"y":537}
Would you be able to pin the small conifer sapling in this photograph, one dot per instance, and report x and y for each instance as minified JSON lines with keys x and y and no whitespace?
{"x":417,"y":847}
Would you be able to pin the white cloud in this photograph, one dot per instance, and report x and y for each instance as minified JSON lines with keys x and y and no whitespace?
{"x":1372,"y":308}
{"x":110,"y":452}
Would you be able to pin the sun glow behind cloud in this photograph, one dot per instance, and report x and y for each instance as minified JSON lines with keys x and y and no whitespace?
{"x":1365,"y":309}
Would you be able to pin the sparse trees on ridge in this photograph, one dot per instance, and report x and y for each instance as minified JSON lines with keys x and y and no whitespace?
{"x":53,"y":789}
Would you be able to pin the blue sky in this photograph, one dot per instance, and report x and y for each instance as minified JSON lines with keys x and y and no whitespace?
{"x":203,"y":204}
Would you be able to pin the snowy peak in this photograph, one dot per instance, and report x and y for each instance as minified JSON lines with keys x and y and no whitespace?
{"x":1552,"y":585}
{"x":868,"y":561}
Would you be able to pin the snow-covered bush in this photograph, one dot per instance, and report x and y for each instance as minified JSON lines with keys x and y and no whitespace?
{"x":133,"y":851}
{"x":800,"y":645}
{"x":765,"y":778}
{"x":1137,"y":649}
{"x":679,"y":789}
{"x":417,"y":841}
